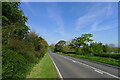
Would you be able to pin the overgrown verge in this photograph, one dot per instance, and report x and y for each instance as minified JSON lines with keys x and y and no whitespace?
{"x":111,"y":61}
{"x":21,"y":48}
{"x":18,"y":57}
{"x":44,"y":69}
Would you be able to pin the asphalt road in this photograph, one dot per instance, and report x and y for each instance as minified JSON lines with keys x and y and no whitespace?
{"x":69,"y":67}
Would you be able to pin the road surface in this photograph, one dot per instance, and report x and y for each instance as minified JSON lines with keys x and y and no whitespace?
{"x":69,"y":67}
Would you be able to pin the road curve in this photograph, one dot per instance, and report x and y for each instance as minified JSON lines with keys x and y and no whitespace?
{"x":70,"y":67}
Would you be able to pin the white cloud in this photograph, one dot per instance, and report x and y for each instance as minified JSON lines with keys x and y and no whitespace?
{"x":94,"y":18}
{"x":55,"y":15}
{"x":101,"y":28}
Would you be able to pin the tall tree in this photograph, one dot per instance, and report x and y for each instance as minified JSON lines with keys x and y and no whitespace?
{"x":13,"y":21}
{"x":81,"y":41}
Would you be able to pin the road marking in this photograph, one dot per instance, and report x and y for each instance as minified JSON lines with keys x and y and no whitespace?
{"x":95,"y":69}
{"x":73,"y":60}
{"x":56,"y":68}
{"x":98,"y":71}
{"x":65,"y":57}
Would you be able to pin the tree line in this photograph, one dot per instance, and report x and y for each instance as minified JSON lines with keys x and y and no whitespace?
{"x":21,"y":48}
{"x":85,"y":45}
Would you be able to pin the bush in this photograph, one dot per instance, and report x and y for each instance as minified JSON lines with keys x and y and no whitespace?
{"x":115,"y":56}
{"x":18,"y":56}
{"x":21,"y":48}
{"x":13,"y":64}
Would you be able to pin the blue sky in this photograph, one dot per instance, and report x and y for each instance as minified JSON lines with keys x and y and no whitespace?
{"x":56,"y":21}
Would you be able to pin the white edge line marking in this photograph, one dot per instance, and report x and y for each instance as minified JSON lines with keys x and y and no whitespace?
{"x":56,"y":68}
{"x":95,"y":69}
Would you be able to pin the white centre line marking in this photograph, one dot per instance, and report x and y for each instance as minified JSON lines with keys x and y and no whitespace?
{"x":95,"y":69}
{"x":74,"y":61}
{"x":98,"y":71}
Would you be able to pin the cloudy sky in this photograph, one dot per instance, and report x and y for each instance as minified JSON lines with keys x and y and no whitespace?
{"x":56,"y":21}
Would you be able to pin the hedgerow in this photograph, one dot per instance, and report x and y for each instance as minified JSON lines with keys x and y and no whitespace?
{"x":21,"y":48}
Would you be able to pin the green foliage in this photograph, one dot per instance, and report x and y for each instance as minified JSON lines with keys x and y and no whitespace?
{"x":59,"y":46}
{"x":13,"y":21}
{"x":52,"y":47}
{"x":107,"y":55}
{"x":81,"y":41}
{"x":39,"y":43}
{"x":13,"y":64}
{"x":12,"y":14}
{"x":84,"y":46}
{"x":113,"y":49}
{"x":119,"y":50}
{"x":96,"y":47}
{"x":68,"y":49}
{"x":86,"y":50}
{"x":105,"y":48}
{"x":20,"y":51}
{"x":20,"y":47}
{"x":80,"y":44}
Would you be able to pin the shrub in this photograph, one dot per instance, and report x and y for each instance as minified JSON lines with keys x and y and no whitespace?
{"x":18,"y":55}
{"x":115,"y":56}
{"x":13,"y":64}
{"x":21,"y":48}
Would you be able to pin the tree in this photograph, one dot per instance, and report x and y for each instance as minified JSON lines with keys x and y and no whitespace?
{"x":52,"y":46}
{"x":112,"y":48}
{"x":13,"y":21}
{"x":105,"y":48}
{"x":20,"y":47}
{"x":11,"y":13}
{"x":59,"y":46}
{"x":96,"y":47}
{"x":86,"y":50}
{"x":81,"y":41}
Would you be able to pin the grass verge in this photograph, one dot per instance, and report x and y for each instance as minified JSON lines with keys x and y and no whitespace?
{"x":114,"y":62}
{"x":44,"y":69}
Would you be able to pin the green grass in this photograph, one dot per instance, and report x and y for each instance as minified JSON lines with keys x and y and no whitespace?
{"x":44,"y":69}
{"x":111,"y":61}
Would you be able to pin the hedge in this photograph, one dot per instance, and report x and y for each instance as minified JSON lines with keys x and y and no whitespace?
{"x":115,"y":56}
{"x":13,"y":65}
